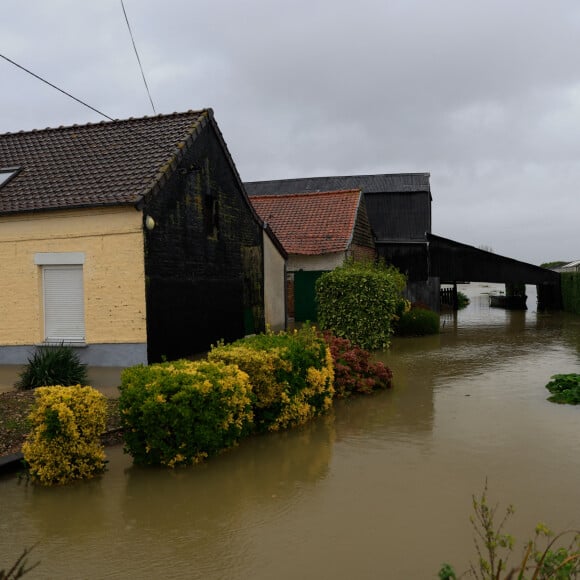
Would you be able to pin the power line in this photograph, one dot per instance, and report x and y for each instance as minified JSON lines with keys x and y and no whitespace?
{"x":57,"y":88}
{"x":137,"y":55}
{"x":146,"y":137}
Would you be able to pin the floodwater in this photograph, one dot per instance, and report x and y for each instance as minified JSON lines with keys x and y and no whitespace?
{"x":104,"y":379}
{"x":380,"y":488}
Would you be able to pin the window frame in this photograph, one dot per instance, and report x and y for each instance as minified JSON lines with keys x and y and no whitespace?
{"x":62,"y":261}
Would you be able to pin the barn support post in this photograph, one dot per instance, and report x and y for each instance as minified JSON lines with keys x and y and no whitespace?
{"x":515,"y":289}
{"x":549,"y":296}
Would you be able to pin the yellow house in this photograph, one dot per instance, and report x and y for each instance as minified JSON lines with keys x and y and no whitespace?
{"x":132,"y":240}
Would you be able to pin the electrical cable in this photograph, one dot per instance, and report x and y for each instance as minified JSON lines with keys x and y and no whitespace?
{"x":133,"y":129}
{"x":57,"y":88}
{"x":138,"y":59}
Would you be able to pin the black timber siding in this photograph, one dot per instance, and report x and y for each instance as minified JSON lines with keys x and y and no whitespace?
{"x":363,"y":235}
{"x":411,"y":259}
{"x":399,"y":216}
{"x":204,"y":257}
{"x":452,"y":261}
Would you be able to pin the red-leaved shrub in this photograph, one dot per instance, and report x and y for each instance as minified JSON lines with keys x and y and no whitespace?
{"x":354,"y":372}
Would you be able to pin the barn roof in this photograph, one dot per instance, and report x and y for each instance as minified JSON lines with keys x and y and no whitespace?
{"x":575,"y":265}
{"x":97,"y":164}
{"x":368,"y":184}
{"x":307,"y":223}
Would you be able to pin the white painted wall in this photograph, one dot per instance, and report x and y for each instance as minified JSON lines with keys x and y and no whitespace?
{"x":274,"y":286}
{"x":324,"y":262}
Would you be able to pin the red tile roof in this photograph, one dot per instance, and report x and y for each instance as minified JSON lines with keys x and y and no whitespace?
{"x":98,"y":164}
{"x":311,"y":223}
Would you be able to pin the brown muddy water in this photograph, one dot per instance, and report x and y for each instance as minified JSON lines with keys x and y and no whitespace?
{"x":380,"y":488}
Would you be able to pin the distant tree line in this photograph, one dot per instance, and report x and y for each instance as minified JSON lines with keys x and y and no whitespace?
{"x":556,"y":264}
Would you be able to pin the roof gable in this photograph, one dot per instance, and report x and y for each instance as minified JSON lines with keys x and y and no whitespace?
{"x":307,"y":223}
{"x":98,"y":164}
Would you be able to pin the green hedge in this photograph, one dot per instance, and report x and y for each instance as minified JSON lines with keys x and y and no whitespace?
{"x":418,"y":322}
{"x":359,"y":301}
{"x":182,"y":412}
{"x":178,"y":413}
{"x":571,"y":291}
{"x":291,"y":374}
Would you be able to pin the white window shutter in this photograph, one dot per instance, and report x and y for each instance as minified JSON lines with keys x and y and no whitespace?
{"x":64,"y":313}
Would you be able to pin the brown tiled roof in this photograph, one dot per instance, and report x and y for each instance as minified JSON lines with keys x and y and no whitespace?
{"x":311,"y":223}
{"x":99,"y":164}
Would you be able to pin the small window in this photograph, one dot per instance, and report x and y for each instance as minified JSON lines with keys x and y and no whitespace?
{"x":6,"y":174}
{"x":63,"y":296}
{"x":211,"y":216}
{"x":64,"y":315}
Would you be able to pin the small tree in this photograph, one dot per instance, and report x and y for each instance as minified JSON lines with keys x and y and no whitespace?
{"x":359,"y":301}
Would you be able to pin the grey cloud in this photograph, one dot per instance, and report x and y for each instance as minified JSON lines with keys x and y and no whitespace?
{"x":484,"y":95}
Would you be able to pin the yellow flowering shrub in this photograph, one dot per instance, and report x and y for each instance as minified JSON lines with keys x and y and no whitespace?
{"x":65,"y":445}
{"x":291,"y":375}
{"x":260,"y":364}
{"x":180,"y":412}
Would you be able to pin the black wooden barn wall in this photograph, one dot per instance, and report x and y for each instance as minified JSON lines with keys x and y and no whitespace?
{"x":401,"y":216}
{"x":204,"y":257}
{"x":446,"y":261}
{"x":455,"y":262}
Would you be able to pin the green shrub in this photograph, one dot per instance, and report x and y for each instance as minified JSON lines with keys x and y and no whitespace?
{"x":359,"y":301}
{"x":354,"y":372}
{"x":180,"y":412}
{"x":565,"y":389}
{"x":418,"y":322}
{"x":53,"y":365}
{"x":571,"y":291}
{"x":65,"y":444}
{"x":462,"y":300}
{"x":291,"y":375}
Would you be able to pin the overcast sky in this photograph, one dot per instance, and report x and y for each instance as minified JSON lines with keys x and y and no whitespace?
{"x":484,"y":95}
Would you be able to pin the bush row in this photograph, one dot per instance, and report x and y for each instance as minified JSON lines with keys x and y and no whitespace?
{"x":181,"y":412}
{"x":178,"y":413}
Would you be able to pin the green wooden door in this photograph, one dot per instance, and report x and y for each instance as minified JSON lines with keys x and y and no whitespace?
{"x":305,"y":295}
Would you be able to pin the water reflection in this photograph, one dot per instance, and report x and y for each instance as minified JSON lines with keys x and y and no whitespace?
{"x":271,"y":469}
{"x":63,"y":512}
